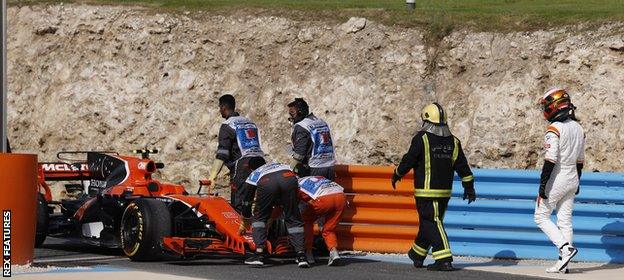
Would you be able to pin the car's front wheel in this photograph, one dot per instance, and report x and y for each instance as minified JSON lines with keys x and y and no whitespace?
{"x":143,"y":225}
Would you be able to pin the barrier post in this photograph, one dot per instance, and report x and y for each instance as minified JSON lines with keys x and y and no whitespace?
{"x":18,"y":203}
{"x":3,"y":84}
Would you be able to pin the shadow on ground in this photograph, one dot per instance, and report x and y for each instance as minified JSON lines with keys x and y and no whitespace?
{"x":502,"y":258}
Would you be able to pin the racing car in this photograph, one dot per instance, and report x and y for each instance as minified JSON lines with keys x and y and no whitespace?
{"x":117,"y":204}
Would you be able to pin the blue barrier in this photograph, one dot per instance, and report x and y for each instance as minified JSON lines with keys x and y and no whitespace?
{"x":500,"y":223}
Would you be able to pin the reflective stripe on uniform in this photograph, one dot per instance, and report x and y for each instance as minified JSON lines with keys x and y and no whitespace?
{"x":553,"y":129}
{"x":432,"y":193}
{"x":396,"y":171}
{"x":427,"y":161}
{"x":295,"y":230}
{"x":438,"y":221}
{"x":419,"y":250}
{"x":298,"y":157}
{"x":455,"y":150}
{"x":442,"y":254}
{"x":467,"y":178}
{"x":258,"y":224}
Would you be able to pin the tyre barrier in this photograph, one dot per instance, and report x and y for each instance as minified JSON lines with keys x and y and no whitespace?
{"x":499,"y":224}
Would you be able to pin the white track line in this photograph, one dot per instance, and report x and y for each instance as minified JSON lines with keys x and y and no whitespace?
{"x":79,"y":259}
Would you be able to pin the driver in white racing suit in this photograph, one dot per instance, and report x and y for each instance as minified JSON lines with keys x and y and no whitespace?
{"x":559,"y":182}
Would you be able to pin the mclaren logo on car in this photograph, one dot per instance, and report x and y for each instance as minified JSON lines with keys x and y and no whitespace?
{"x":63,"y":167}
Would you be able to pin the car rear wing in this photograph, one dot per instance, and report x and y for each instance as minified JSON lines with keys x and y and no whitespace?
{"x":62,"y":171}
{"x":73,"y":166}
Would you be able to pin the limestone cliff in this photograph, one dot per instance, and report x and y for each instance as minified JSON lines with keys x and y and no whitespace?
{"x":117,"y":78}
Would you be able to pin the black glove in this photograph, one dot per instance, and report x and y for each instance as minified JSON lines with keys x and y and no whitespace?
{"x":547,"y":169}
{"x":395,"y":178}
{"x":302,"y":170}
{"x":542,"y":191}
{"x":469,"y":191}
{"x":579,"y":172}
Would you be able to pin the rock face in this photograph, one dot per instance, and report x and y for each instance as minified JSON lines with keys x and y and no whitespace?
{"x":111,"y":78}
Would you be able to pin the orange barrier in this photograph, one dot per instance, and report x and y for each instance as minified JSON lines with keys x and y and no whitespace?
{"x":381,"y":201}
{"x":18,"y":193}
{"x":378,"y":218}
{"x":368,"y":179}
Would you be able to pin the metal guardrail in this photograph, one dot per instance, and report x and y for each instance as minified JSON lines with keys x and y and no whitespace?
{"x":499,"y":224}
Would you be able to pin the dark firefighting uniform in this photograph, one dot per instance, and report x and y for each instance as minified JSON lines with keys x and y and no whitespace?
{"x":276,"y":184}
{"x":434,"y":159}
{"x":239,"y":142}
{"x":313,"y":147}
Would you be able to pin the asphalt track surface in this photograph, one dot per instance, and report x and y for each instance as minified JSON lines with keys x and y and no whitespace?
{"x":60,"y":253}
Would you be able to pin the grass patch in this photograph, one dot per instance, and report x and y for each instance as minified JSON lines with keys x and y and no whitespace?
{"x":482,"y":15}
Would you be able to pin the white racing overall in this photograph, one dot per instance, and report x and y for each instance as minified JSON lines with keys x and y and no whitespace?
{"x":564,"y":147}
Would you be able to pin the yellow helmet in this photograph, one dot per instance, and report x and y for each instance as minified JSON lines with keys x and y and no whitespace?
{"x":433,"y":113}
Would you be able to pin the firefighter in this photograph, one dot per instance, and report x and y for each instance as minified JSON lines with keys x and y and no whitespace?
{"x":561,"y":174}
{"x":313,"y":150}
{"x":276,"y":184}
{"x":324,"y":199}
{"x":239,"y":142}
{"x":434,"y":154}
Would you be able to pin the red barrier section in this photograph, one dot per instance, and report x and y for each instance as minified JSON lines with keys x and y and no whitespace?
{"x":376,"y":212}
{"x":18,"y":194}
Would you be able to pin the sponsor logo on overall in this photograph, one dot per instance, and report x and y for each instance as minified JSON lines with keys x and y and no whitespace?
{"x":325,"y":139}
{"x":247,"y":135}
{"x":312,"y":185}
{"x":6,"y":243}
{"x":250,"y":133}
{"x":322,"y":140}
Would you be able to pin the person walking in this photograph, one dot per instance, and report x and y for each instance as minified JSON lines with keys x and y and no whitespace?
{"x":561,"y":173}
{"x":434,"y":154}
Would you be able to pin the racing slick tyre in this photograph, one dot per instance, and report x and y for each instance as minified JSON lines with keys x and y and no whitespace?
{"x":43,"y":221}
{"x":143,"y":225}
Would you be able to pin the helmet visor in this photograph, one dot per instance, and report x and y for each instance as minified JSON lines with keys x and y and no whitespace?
{"x":555,"y":96}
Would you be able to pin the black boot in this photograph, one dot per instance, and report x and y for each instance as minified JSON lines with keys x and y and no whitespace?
{"x":418,"y":261}
{"x":302,"y":261}
{"x":255,"y":260}
{"x":441,"y":266}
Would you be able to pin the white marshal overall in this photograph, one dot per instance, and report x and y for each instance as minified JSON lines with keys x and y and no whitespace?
{"x":247,"y":136}
{"x":322,"y":152}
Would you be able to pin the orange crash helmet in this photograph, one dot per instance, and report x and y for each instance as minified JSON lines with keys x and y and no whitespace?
{"x":557,"y":105}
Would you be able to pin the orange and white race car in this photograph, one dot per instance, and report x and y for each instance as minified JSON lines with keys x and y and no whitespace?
{"x":119,"y":205}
